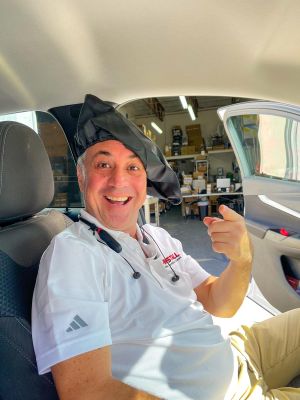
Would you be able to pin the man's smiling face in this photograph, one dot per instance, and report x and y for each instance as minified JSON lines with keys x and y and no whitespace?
{"x":114,"y":185}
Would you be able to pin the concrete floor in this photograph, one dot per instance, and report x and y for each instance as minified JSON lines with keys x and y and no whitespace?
{"x":193,"y":235}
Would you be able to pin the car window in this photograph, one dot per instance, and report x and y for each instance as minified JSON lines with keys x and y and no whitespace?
{"x":67,"y":194}
{"x":268,"y":145}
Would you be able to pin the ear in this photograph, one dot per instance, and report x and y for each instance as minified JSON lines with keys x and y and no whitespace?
{"x":80,"y":178}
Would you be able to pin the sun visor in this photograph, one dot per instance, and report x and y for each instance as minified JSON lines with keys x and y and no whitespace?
{"x":99,"y":121}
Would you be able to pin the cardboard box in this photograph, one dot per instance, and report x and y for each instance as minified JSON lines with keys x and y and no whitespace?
{"x":198,"y":175}
{"x":189,"y":199}
{"x":202,"y":169}
{"x":213,"y":205}
{"x":195,"y":139}
{"x":187,"y":179}
{"x":213,"y":199}
{"x":185,"y":189}
{"x":198,"y":147}
{"x":201,"y":157}
{"x":195,"y":128}
{"x":199,"y":184}
{"x":195,"y":209}
{"x":194,"y":136}
{"x":185,"y":150}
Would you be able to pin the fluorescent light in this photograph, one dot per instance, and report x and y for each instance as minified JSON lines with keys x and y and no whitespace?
{"x":191,"y":112}
{"x":183,"y":102}
{"x":156,"y":127}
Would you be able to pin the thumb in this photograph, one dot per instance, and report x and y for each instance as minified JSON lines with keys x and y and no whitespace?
{"x":228,"y":214}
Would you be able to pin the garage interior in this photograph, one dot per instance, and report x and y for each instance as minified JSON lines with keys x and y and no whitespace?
{"x":189,"y":133}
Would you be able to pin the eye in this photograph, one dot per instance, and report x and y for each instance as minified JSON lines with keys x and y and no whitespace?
{"x":102,"y":165}
{"x":134,"y":168}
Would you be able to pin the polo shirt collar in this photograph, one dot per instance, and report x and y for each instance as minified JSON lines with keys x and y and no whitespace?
{"x":114,"y":233}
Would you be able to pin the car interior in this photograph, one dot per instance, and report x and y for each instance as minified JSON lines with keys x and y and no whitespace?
{"x":53,"y":54}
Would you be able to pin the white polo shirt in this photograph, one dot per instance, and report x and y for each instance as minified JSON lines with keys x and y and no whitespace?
{"x":162,"y":341}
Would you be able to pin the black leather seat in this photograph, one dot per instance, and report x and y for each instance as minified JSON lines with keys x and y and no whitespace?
{"x":26,"y":188}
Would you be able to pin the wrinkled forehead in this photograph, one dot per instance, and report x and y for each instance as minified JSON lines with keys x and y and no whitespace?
{"x":112,"y":149}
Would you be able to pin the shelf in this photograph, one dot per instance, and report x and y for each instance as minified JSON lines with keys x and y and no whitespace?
{"x":182,"y":157}
{"x":220,"y":151}
{"x":195,"y":155}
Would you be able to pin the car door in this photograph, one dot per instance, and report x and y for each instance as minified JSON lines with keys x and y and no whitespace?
{"x":265,"y":137}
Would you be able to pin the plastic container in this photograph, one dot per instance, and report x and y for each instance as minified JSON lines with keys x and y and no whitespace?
{"x":203,"y":207}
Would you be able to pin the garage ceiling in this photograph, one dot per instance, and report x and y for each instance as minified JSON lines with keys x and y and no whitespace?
{"x":172,"y":105}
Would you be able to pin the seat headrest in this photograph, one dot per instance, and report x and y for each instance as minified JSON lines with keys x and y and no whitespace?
{"x":26,"y":179}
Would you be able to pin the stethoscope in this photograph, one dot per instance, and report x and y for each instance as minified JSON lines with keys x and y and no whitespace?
{"x":113,"y":244}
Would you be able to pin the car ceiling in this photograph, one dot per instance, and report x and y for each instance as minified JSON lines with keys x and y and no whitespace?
{"x":54,"y":52}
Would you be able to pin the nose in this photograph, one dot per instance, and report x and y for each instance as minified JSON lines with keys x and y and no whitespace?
{"x":118,"y":177}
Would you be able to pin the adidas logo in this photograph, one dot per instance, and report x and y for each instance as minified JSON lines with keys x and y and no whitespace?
{"x":77,"y":323}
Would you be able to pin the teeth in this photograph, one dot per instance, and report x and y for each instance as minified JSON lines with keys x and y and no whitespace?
{"x":117,"y":198}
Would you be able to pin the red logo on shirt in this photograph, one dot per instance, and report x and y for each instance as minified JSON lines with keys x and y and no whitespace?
{"x":171,"y":258}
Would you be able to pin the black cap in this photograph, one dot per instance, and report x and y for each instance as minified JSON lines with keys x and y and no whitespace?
{"x":99,"y":121}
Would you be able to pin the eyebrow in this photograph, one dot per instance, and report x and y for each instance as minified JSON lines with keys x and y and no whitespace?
{"x":108,"y":154}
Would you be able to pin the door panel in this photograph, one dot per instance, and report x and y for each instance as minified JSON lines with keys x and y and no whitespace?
{"x":267,"y":148}
{"x":286,"y":194}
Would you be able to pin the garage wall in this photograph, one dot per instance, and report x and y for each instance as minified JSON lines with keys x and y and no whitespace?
{"x":223,"y":160}
{"x":208,"y":121}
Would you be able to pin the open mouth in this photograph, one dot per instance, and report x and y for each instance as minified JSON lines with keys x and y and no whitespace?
{"x":120,"y":200}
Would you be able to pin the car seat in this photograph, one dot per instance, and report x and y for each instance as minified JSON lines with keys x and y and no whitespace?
{"x":26,"y":188}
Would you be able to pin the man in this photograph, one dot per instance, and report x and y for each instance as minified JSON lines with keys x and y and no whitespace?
{"x":121,"y":312}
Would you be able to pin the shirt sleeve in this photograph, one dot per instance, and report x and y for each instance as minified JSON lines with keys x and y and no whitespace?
{"x":69,"y":309}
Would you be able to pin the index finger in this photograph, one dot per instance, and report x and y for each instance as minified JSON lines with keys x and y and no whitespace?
{"x":228,"y":214}
{"x":222,"y":226}
{"x":209,"y":220}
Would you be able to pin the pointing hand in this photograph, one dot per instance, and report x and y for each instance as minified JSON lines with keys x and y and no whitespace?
{"x":229,"y":235}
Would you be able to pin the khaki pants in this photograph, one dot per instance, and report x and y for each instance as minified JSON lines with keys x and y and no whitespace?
{"x":269,"y":358}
